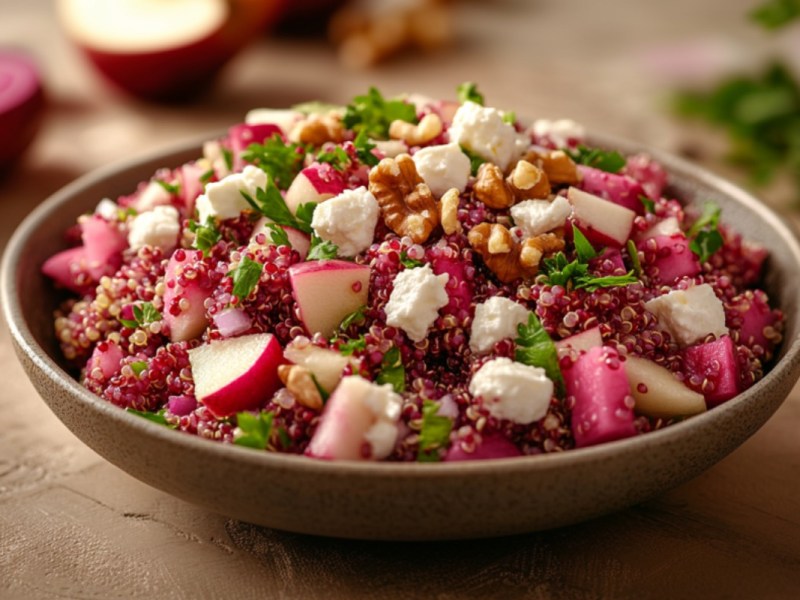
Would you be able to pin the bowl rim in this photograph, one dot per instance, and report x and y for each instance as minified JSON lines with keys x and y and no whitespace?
{"x":25,"y":342}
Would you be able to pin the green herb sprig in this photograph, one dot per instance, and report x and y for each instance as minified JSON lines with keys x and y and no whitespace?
{"x":535,"y":348}
{"x":143,"y":314}
{"x":281,"y":160}
{"x":372,"y":114}
{"x":205,"y":236}
{"x":434,"y":433}
{"x":468,"y":91}
{"x":392,"y":370}
{"x":245,"y":277}
{"x":704,"y":235}
{"x":610,"y":161}
{"x":254,"y":431}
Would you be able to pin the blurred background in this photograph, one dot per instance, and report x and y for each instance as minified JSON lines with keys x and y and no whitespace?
{"x":111,"y":72}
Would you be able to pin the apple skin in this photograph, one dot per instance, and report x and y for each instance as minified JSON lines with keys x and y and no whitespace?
{"x":191,"y":322}
{"x":182,"y":72}
{"x":601,"y":221}
{"x":236,"y":374}
{"x":327,"y":291}
{"x":316,"y":183}
{"x":299,"y":241}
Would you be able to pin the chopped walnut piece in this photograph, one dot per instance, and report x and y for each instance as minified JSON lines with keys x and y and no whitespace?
{"x":318,"y":129}
{"x":491,"y":189}
{"x":522,"y":259}
{"x":429,"y":128}
{"x":407,"y":204}
{"x":528,"y":181}
{"x":300,"y":382}
{"x":557,"y":165}
{"x":448,"y":212}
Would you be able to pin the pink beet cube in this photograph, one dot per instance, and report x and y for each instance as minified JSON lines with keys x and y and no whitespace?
{"x":603,"y":409}
{"x":673,"y":258}
{"x":649,"y":173}
{"x":491,"y":446}
{"x":619,"y":189}
{"x":757,"y":319}
{"x":712,"y":370}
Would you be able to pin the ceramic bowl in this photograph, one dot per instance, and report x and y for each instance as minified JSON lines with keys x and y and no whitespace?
{"x":393,"y":501}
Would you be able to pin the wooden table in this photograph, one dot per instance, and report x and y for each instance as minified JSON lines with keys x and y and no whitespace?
{"x":73,"y":526}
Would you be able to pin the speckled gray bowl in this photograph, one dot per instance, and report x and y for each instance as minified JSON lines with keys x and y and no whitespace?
{"x":392,"y":501}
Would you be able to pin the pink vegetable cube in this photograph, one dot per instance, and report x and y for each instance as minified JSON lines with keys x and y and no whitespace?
{"x":713,"y":370}
{"x":491,"y":446}
{"x":619,"y":189}
{"x":673,"y":258}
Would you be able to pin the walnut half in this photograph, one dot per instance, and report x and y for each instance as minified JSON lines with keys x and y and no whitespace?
{"x":507,"y":258}
{"x":407,"y":203}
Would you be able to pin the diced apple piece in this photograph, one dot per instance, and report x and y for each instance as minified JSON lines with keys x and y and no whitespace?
{"x":360,"y":422}
{"x":103,"y":243}
{"x":63,"y":266}
{"x":316,"y":183}
{"x":326,"y":365}
{"x":583,"y":341}
{"x":757,"y":320}
{"x":658,"y":392}
{"x":236,"y":374}
{"x":184,"y":311}
{"x":107,"y":356}
{"x":619,"y":189}
{"x":602,"y":221}
{"x":491,"y":446}
{"x":297,"y":239}
{"x":666,"y":227}
{"x":714,"y":367}
{"x":189,"y":177}
{"x":242,"y":135}
{"x":649,"y":173}
{"x":327,"y":291}
{"x":286,"y":119}
{"x":674,"y":259}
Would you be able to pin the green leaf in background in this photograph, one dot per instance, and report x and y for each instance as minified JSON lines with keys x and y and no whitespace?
{"x":364,"y":149}
{"x":475,"y":161}
{"x":775,"y":14}
{"x":171,"y":188}
{"x":434,"y":434}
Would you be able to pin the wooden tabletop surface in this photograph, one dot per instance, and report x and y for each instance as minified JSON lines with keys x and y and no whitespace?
{"x":74,"y":526}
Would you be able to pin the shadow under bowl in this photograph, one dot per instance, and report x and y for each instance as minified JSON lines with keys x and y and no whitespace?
{"x":390,"y":501}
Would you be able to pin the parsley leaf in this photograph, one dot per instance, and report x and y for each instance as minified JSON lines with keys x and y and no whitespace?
{"x":775,"y":14}
{"x":245,"y":277}
{"x":357,"y":316}
{"x":392,"y":370}
{"x":337,"y":158}
{"x":351,"y":346}
{"x":372,"y":114}
{"x":321,"y":249}
{"x":649,"y":205}
{"x":138,"y":367}
{"x":254,"y":431}
{"x":536,"y":349}
{"x":278,"y":235}
{"x":633,"y":252}
{"x":434,"y":434}
{"x":559,"y":271}
{"x":280,"y":160}
{"x":409,"y":263}
{"x":583,"y":248}
{"x":708,"y":219}
{"x":156,"y":417}
{"x":364,"y":149}
{"x":207,"y":176}
{"x":475,"y":161}
{"x":205,"y":236}
{"x":171,"y":188}
{"x":704,"y":233}
{"x":591,"y":284}
{"x":270,"y":203}
{"x":468,"y":91}
{"x":610,"y":161}
{"x":227,"y":156}
{"x":509,"y":117}
{"x":143,"y":314}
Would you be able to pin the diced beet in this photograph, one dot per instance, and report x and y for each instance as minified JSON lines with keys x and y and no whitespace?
{"x":610,"y":261}
{"x":459,"y":288}
{"x":189,"y":176}
{"x":186,"y":320}
{"x":673,"y":259}
{"x":649,"y":173}
{"x":620,"y":189}
{"x":181,"y":405}
{"x":603,"y":409}
{"x":491,"y":446}
{"x":242,"y":135}
{"x":107,"y":356}
{"x":103,"y":243}
{"x":63,"y":266}
{"x":712,"y":370}
{"x":754,"y":319}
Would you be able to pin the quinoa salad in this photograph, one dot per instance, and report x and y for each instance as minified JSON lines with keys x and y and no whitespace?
{"x":411,"y":279}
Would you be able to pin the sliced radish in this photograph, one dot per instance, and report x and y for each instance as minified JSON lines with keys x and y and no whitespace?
{"x":601,"y":220}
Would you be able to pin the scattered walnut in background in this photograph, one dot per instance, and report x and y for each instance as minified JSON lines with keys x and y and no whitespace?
{"x":368,"y":32}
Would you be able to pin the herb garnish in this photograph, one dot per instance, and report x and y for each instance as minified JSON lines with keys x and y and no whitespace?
{"x":321,"y":249}
{"x":245,"y":277}
{"x":270,"y":203}
{"x":704,"y":233}
{"x":254,"y":431}
{"x":509,"y":117}
{"x":357,"y":316}
{"x":392,"y":370}
{"x":280,"y":160}
{"x":475,"y":161}
{"x":138,"y":367}
{"x":649,"y":205}
{"x":364,"y":149}
{"x":372,"y":114}
{"x":633,"y":253}
{"x":156,"y":417}
{"x":337,"y":158}
{"x":434,"y":433}
{"x":207,"y":176}
{"x":535,"y":348}
{"x":610,"y":161}
{"x":205,"y":236}
{"x":143,"y":314}
{"x":468,"y":91}
{"x":170,"y":188}
{"x":278,"y":235}
{"x":227,"y":156}
{"x":408,"y":262}
{"x":351,"y":346}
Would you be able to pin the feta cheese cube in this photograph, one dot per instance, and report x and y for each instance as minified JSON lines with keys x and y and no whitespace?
{"x":512,"y":391}
{"x":535,"y":217}
{"x":690,"y":315}
{"x":560,"y":132}
{"x":443,"y":167}
{"x":348,"y":220}
{"x":157,"y":228}
{"x":482,"y":131}
{"x":495,"y":320}
{"x":415,"y":301}
{"x":223,"y":199}
{"x":108,"y":209}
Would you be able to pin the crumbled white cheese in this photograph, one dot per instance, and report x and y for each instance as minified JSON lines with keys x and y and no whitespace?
{"x":690,"y":315}
{"x":495,"y":320}
{"x":223,"y":199}
{"x":151,"y":196}
{"x":286,"y":119}
{"x":512,"y":391}
{"x":535,"y":217}
{"x":559,"y":132}
{"x":415,"y":301}
{"x":482,"y":131}
{"x":348,"y":220}
{"x":443,"y":167}
{"x":108,"y":209}
{"x":385,"y":406}
{"x":158,"y":228}
{"x":212,"y":152}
